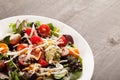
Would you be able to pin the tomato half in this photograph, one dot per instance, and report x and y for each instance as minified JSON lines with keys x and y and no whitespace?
{"x":28,"y":31}
{"x":62,"y":41}
{"x":44,"y":30}
{"x":43,"y":63}
{"x":36,"y":39}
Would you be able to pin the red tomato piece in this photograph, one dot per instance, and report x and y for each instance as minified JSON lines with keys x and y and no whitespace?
{"x":28,"y":31}
{"x":21,"y":46}
{"x":36,"y":39}
{"x":44,"y":30}
{"x":43,"y":63}
{"x":42,"y":55}
{"x":62,"y":40}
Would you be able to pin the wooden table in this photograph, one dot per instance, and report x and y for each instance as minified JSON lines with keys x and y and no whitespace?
{"x":98,"y":21}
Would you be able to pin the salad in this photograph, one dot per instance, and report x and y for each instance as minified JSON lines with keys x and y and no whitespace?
{"x":36,"y":51}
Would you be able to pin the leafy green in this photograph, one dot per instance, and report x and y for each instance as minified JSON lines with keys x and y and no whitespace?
{"x":75,"y":75}
{"x":76,"y":67}
{"x":37,"y":23}
{"x":72,"y":45}
{"x":3,"y":56}
{"x":13,"y":27}
{"x":14,"y":75}
{"x":29,"y":24}
{"x":6,"y":40}
{"x":12,"y":65}
{"x":54,"y":30}
{"x":20,"y":27}
{"x":61,"y":74}
{"x":13,"y":71}
{"x":80,"y":59}
{"x":75,"y":64}
{"x":54,"y":33}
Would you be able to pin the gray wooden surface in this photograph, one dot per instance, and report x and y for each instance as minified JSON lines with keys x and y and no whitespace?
{"x":98,"y":21}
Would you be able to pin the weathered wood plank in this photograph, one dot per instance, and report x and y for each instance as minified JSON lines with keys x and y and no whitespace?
{"x":98,"y":21}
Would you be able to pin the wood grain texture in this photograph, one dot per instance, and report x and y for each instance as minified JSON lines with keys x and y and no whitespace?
{"x":98,"y":21}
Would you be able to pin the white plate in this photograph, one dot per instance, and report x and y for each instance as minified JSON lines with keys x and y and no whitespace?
{"x":81,"y":44}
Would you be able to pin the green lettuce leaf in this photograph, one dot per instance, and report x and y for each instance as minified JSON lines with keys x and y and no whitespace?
{"x":20,"y":27}
{"x":54,"y":30}
{"x":13,"y":71}
{"x":38,"y":23}
{"x":75,"y":75}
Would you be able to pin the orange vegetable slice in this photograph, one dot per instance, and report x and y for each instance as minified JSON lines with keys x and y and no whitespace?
{"x":74,"y":52}
{"x":3,"y":48}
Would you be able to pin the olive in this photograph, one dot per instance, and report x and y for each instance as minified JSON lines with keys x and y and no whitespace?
{"x":24,"y":40}
{"x":2,"y":65}
{"x":69,"y":38}
{"x":23,"y":33}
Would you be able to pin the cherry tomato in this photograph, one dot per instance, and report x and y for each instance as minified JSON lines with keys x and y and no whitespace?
{"x":43,"y":63}
{"x":62,"y":40}
{"x":28,"y":31}
{"x":21,"y":46}
{"x":36,"y":39}
{"x":44,"y":30}
{"x":22,"y":60}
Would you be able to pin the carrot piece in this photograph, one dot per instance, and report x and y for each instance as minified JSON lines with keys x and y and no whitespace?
{"x":74,"y":52}
{"x":4,"y":48}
